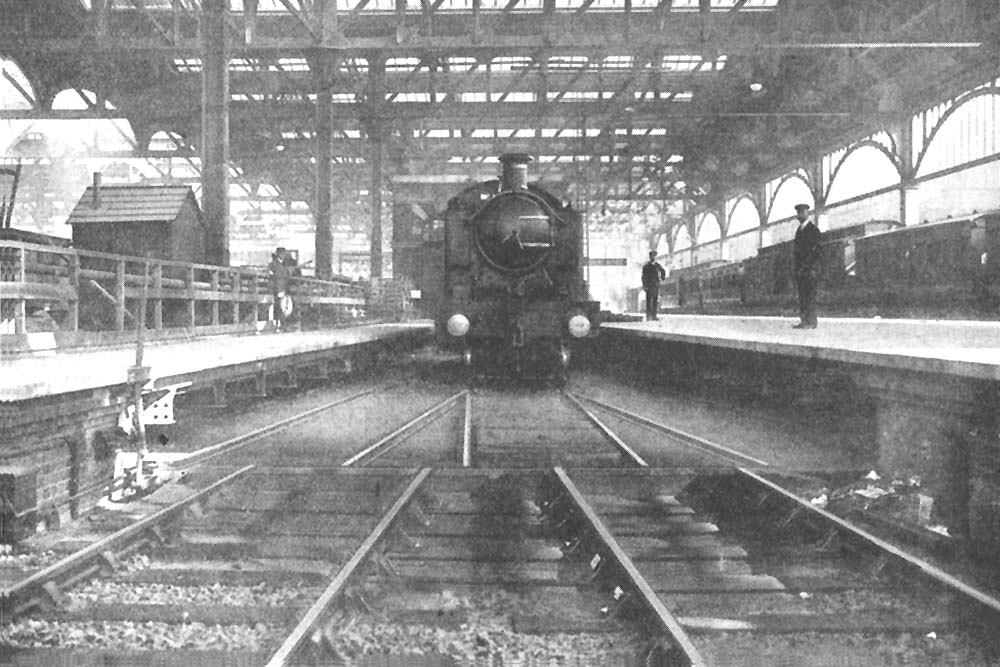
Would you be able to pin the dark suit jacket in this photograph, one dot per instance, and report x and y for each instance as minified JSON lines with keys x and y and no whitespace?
{"x":652,"y":274}
{"x":807,"y":239}
{"x":279,"y":276}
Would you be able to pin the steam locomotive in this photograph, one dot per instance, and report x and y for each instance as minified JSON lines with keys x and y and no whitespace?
{"x":514,"y":295}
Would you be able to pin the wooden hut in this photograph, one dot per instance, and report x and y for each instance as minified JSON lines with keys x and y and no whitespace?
{"x":161,"y":221}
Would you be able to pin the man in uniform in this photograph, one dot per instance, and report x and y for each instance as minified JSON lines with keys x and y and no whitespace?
{"x":807,"y":240}
{"x":652,"y":274}
{"x":280,"y":275}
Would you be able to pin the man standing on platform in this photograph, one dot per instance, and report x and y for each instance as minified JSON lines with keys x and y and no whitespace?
{"x":807,"y":239}
{"x":279,"y":287}
{"x":652,"y":274}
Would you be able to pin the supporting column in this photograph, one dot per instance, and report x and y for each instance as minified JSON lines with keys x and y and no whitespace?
{"x":820,"y":216}
{"x":215,"y":129}
{"x":377,"y":85}
{"x":326,"y":67}
{"x":909,"y":204}
{"x":909,"y":195}
{"x":376,"y":194}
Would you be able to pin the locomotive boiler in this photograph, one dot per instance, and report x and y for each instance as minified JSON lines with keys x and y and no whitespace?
{"x":514,"y":296}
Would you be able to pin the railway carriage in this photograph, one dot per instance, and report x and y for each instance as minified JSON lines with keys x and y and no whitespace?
{"x":944,"y":269}
{"x":514,"y":295}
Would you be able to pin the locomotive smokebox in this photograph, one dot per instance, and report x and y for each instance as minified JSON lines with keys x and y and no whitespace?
{"x":514,"y":174}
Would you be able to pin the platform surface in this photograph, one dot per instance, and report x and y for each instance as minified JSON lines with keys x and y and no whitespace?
{"x":46,"y":373}
{"x":952,"y":347}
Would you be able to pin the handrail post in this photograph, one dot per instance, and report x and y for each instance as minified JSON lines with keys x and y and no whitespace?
{"x":235,"y":277}
{"x":158,"y":298}
{"x":215,"y":300}
{"x":73,"y":307}
{"x":256,"y":299}
{"x":192,"y":314}
{"x":120,"y":295}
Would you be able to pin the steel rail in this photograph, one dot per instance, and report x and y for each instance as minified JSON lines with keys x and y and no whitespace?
{"x":212,"y":451}
{"x":682,"y":436}
{"x":666,"y":620}
{"x":294,"y":640}
{"x":380,"y":447}
{"x":936,"y":573}
{"x":467,"y":432}
{"x":82,"y":559}
{"x":608,"y":433}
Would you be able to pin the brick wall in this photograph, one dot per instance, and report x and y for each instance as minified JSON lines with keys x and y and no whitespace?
{"x":67,"y":441}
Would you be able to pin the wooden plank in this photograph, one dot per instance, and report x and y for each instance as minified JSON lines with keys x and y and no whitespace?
{"x":463,"y":572}
{"x":273,"y":572}
{"x":459,"y":525}
{"x":864,"y":622}
{"x":669,"y":569}
{"x":195,"y":546}
{"x":16,"y":290}
{"x":209,"y":614}
{"x":665,"y":526}
{"x":262,"y":524}
{"x":663,"y":505}
{"x":720,"y":583}
{"x":106,"y":657}
{"x":484,"y":549}
{"x":348,"y":505}
{"x":681,"y":548}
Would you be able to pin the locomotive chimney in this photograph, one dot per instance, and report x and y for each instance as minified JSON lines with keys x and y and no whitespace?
{"x":514,"y":174}
{"x":97,"y":189}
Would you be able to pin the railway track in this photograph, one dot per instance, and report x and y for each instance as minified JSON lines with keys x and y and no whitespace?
{"x":218,"y":570}
{"x":477,"y":537}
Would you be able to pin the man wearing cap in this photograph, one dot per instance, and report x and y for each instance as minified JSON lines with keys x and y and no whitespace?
{"x":652,"y":275}
{"x":807,"y":239}
{"x":279,"y":279}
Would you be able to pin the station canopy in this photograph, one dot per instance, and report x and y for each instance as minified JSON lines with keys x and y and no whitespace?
{"x":662,"y":100}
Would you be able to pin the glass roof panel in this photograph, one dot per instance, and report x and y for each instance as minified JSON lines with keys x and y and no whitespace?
{"x":401,"y":64}
{"x":459,"y":63}
{"x":568,"y":62}
{"x":511,"y":63}
{"x":618,"y":62}
{"x":724,"y":5}
{"x":690,"y":63}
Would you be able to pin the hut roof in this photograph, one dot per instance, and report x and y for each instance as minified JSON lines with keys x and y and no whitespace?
{"x":132,"y":203}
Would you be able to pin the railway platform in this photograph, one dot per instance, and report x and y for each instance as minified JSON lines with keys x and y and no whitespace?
{"x":931,"y":388}
{"x":62,"y":411}
{"x":208,"y":359}
{"x":956,"y":348}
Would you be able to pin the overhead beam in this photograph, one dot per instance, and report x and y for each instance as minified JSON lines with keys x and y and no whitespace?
{"x":518,"y":31}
